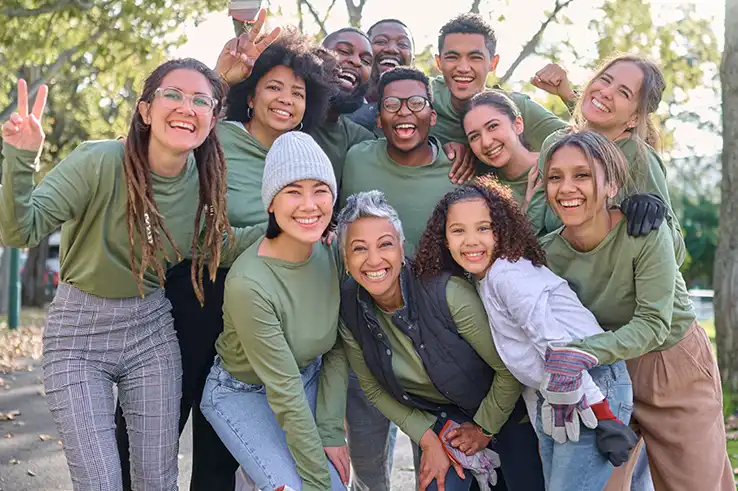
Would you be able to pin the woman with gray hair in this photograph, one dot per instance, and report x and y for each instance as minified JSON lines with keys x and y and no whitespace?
{"x":425,"y":358}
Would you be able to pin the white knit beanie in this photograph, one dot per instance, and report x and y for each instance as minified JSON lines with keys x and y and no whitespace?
{"x":294,"y":157}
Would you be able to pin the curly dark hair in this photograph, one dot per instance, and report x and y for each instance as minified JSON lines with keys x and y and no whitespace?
{"x":469,"y":24}
{"x":514,"y":237}
{"x":404,"y":73}
{"x":306,"y":59}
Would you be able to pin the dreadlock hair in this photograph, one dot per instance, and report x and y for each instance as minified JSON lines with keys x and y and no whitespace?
{"x":145,"y":223}
{"x":514,"y":237}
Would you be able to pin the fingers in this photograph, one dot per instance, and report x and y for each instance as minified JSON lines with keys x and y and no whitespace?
{"x":424,"y":479}
{"x":40,"y":103}
{"x":441,"y":481}
{"x":468,"y":166}
{"x":268,"y":39}
{"x":22,"y":98}
{"x":459,"y":470}
{"x":258,"y":24}
{"x":10,"y":128}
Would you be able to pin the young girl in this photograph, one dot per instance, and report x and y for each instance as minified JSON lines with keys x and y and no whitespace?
{"x":480,"y":230}
{"x":633,"y":287}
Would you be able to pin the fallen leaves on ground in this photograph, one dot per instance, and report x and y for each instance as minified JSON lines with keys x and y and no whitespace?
{"x":10,"y":415}
{"x":43,"y":437}
{"x":24,"y":342}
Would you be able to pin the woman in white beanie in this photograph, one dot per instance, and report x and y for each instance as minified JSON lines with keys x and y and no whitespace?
{"x":276,"y":394}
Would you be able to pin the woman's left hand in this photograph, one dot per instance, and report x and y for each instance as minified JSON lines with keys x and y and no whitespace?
{"x":468,"y":438}
{"x":534,"y":184}
{"x":462,"y":167}
{"x":339,"y":457}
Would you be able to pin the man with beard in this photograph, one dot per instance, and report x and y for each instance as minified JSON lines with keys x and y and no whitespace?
{"x":466,"y":55}
{"x":392,"y":45}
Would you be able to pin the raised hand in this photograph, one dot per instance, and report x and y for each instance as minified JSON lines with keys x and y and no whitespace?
{"x":238,"y":56}
{"x":553,"y":79}
{"x":23,"y":130}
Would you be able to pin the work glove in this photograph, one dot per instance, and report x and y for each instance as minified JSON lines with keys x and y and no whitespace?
{"x":482,"y":464}
{"x":644,"y":212}
{"x":614,"y":438}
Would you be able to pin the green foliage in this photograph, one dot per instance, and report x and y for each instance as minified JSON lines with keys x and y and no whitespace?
{"x":699,"y":222}
{"x":94,"y":57}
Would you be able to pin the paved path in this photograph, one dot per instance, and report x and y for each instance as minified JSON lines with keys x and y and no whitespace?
{"x":30,"y":463}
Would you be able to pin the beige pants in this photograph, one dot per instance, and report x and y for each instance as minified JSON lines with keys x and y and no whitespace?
{"x":678,"y":410}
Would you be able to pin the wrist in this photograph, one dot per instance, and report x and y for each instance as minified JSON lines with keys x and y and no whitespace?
{"x":603,"y":412}
{"x":429,"y":440}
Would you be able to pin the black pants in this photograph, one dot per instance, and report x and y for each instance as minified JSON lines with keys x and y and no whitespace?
{"x":213,"y":467}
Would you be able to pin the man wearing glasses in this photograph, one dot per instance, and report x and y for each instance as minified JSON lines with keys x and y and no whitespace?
{"x":409,"y":166}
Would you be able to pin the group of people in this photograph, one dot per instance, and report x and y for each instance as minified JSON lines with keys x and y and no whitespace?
{"x":290,"y":248}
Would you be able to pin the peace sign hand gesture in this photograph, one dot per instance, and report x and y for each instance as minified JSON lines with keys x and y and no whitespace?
{"x":239,"y":54}
{"x":23,"y":130}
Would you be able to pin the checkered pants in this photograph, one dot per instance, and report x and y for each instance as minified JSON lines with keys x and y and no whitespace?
{"x":92,"y":343}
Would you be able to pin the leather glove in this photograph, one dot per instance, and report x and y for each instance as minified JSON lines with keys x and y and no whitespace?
{"x":643,"y":212}
{"x":614,"y":438}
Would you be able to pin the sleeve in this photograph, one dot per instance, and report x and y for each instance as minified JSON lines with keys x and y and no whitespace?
{"x":28,"y":213}
{"x":538,"y":122}
{"x":655,"y":275}
{"x":244,"y":237}
{"x":413,"y":422}
{"x":330,"y":411}
{"x":358,"y":133}
{"x":472,"y":323}
{"x":271,"y":358}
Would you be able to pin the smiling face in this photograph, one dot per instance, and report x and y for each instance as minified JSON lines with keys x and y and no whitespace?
{"x":406,"y":130}
{"x":181,"y":129}
{"x":469,"y":236}
{"x":373,"y":254}
{"x":492,"y":136}
{"x":278,"y":103}
{"x":610,"y":102}
{"x":392,"y":46}
{"x":355,"y":59}
{"x":465,"y":62}
{"x":303,"y":210}
{"x":575,"y":189}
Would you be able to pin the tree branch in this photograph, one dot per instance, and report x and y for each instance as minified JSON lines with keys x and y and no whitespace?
{"x":532,"y":44}
{"x":355,"y":12}
{"x":316,"y":16}
{"x":475,"y":6}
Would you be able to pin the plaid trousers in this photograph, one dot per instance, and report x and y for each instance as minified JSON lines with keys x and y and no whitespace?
{"x":92,"y":343}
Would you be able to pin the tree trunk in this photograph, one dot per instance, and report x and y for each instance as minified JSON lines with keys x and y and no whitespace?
{"x":726,"y":260}
{"x":355,"y":11}
{"x":33,"y":280}
{"x":4,"y":279}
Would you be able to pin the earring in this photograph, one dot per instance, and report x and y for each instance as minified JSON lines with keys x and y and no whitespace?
{"x":403,"y":262}
{"x":299,"y":127}
{"x":249,"y":113}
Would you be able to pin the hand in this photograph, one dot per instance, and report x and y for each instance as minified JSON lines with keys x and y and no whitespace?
{"x":468,"y":438}
{"x":434,"y":463}
{"x":554,"y":80}
{"x":339,"y":457}
{"x":534,"y":184}
{"x":643,"y":212}
{"x":239,"y":54}
{"x":462,"y":168}
{"x":23,"y":130}
{"x":615,"y":440}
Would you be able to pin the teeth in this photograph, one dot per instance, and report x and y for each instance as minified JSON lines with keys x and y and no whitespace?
{"x":306,"y":221}
{"x":281,"y":112}
{"x":376,"y":275}
{"x":403,"y":126}
{"x":348,"y":76}
{"x":464,"y":79}
{"x":183,"y":125}
{"x":389,"y":61}
{"x":599,"y":105}
{"x":474,"y":254}
{"x":572,"y":203}
{"x":494,"y":151}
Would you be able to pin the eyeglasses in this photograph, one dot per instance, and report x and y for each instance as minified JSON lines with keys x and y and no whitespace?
{"x":172,"y":98}
{"x":415,"y":103}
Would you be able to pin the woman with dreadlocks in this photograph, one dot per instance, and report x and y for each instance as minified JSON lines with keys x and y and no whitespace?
{"x":110,"y":322}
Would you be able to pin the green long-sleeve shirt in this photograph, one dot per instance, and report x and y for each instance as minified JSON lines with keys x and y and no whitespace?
{"x":471,"y":321}
{"x":650,"y":179}
{"x":278,"y":318}
{"x":412,"y":190}
{"x":538,"y":121}
{"x":336,"y":138}
{"x":633,"y":287}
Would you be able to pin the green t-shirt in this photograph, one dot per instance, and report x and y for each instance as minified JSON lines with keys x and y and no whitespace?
{"x":538,"y":121}
{"x":278,"y":317}
{"x":245,"y":170}
{"x":471,"y":321}
{"x":336,"y":138}
{"x":413,"y":191}
{"x":633,"y":287}
{"x":86,"y":195}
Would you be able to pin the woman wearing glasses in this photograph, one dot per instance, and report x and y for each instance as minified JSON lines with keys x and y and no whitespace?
{"x":110,"y":322}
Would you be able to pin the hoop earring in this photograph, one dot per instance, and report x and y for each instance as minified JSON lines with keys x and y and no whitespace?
{"x":299,"y":127}
{"x":249,"y":113}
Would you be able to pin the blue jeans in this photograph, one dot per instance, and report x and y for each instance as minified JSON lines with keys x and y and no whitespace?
{"x":371,"y":438}
{"x":244,"y":421}
{"x":579,"y":466}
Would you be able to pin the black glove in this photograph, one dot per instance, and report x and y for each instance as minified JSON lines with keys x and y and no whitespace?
{"x":615,"y":440}
{"x":644,"y":212}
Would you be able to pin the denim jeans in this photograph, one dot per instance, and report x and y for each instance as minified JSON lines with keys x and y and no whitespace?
{"x":371,"y":438}
{"x":579,"y":466}
{"x":242,"y":417}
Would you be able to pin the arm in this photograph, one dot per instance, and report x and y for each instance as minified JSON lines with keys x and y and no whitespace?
{"x":472,"y":324}
{"x":538,"y":122}
{"x":413,"y":422}
{"x":271,"y":358}
{"x":331,"y":407}
{"x":28,"y":213}
{"x":655,"y":274}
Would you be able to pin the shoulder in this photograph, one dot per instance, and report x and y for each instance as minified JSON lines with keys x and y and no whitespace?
{"x":551,"y":239}
{"x":633,"y":148}
{"x":356,"y":129}
{"x":364,"y":148}
{"x":460,"y":291}
{"x":97,"y":156}
{"x":247,"y":265}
